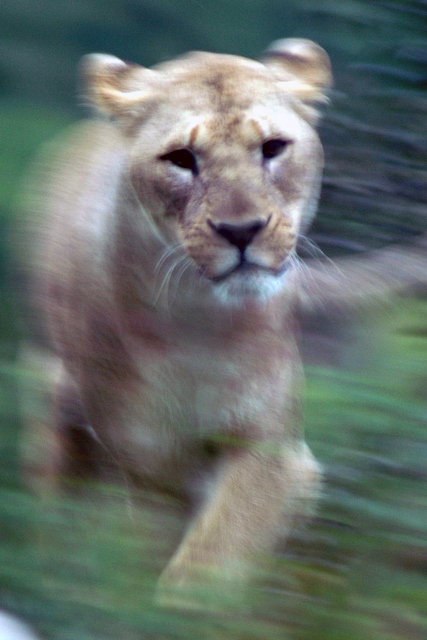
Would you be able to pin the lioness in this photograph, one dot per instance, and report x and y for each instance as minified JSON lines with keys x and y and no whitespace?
{"x":168,"y":276}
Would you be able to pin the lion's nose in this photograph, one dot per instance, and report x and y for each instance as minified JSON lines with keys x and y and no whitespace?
{"x":239,"y":235}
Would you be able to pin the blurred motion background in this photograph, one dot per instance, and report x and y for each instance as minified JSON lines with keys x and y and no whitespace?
{"x":359,"y":572}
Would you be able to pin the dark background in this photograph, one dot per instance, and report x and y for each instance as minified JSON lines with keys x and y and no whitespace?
{"x":359,"y":571}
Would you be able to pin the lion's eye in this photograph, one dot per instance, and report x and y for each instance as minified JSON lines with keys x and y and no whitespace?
{"x":182,"y":158}
{"x":273,"y":148}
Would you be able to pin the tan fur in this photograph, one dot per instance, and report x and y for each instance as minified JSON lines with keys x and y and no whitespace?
{"x":167,"y":349}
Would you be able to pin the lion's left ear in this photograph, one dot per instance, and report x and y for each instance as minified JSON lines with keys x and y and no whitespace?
{"x":303,"y":64}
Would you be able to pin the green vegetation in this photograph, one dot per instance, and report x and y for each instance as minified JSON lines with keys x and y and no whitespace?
{"x":85,"y":571}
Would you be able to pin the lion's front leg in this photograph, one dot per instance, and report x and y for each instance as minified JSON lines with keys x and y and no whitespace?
{"x":258,"y":495}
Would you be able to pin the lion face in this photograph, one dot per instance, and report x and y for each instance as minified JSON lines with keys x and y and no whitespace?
{"x":223,"y":158}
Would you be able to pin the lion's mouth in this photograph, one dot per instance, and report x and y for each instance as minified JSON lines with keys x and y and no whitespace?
{"x":244,"y":267}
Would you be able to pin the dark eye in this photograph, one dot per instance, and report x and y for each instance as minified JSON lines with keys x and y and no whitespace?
{"x":273,"y":148}
{"x":182,"y":158}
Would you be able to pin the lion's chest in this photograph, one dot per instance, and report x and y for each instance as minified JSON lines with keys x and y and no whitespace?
{"x":198,"y":386}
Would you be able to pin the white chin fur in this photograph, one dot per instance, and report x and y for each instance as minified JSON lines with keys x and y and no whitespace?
{"x":240,"y":286}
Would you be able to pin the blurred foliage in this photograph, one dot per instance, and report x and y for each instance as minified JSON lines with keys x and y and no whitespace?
{"x":360,"y":571}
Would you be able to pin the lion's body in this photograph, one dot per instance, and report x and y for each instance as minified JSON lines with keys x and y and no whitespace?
{"x":168,"y":279}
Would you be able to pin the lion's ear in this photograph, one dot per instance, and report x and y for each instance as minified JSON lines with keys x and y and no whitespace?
{"x":304,"y":64}
{"x":114,"y":87}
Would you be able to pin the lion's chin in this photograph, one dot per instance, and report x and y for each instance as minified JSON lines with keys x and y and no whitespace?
{"x":256,"y":284}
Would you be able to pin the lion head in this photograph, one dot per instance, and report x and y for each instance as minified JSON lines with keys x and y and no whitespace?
{"x":224,"y":155}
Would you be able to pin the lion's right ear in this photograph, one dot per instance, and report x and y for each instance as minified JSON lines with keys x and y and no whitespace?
{"x":114,"y":87}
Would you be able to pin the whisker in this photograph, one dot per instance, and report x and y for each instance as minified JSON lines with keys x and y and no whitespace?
{"x":318,"y":254}
{"x":161,"y":263}
{"x":306,"y":275}
{"x":167,"y":278}
{"x":184,"y":266}
{"x":165,"y":256}
{"x":311,"y":246}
